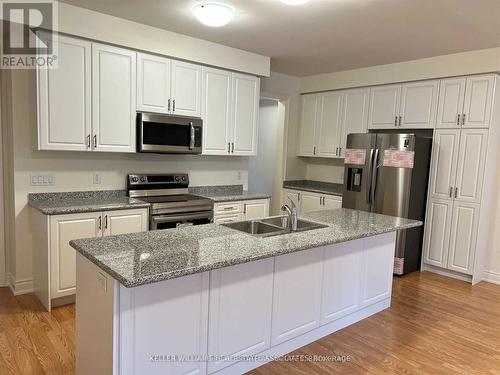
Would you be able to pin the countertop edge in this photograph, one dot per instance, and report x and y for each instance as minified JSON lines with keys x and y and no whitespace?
{"x":86,"y":209}
{"x":186,"y":272}
{"x":312,"y":190}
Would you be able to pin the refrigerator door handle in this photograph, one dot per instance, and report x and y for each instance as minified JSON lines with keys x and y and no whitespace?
{"x":374,"y":176}
{"x":370,"y":166}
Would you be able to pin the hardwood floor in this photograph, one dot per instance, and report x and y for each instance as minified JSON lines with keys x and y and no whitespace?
{"x":436,"y":325}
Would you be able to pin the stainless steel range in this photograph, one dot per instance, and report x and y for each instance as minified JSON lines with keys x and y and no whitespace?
{"x":172,"y":205}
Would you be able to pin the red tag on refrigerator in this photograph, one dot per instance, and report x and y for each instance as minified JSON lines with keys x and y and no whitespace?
{"x":355,"y":156}
{"x":399,"y":159}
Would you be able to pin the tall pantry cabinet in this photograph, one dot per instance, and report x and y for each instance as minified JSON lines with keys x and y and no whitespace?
{"x":464,"y":149}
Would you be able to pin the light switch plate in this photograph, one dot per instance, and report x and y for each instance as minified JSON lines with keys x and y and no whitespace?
{"x":42,"y":179}
{"x":97,"y":178}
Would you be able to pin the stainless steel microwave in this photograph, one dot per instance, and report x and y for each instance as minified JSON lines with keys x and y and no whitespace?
{"x":164,"y":134}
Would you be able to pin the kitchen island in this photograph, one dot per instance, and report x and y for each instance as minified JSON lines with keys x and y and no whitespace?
{"x":209,"y":299}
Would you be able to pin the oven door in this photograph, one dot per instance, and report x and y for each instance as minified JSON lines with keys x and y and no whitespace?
{"x":180,"y":220}
{"x":168,"y":134}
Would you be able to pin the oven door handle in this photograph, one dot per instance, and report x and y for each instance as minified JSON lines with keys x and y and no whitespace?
{"x":170,"y":218}
{"x":191,"y":136}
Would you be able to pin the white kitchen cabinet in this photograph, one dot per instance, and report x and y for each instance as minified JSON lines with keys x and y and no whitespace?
{"x":437,"y":232}
{"x":450,"y":103}
{"x":384,"y":107}
{"x":341,"y":280}
{"x":444,"y":163}
{"x":354,"y":114}
{"x":293,"y":196}
{"x":331,"y":202}
{"x":308,"y":125}
{"x":470,"y":165}
{"x":419,"y":105}
{"x":228,"y":218}
{"x":329,"y":129}
{"x":240,"y":301}
{"x":216,"y":111}
{"x":153,"y":83}
{"x":113,"y":98}
{"x":245,"y":112}
{"x":310,"y":202}
{"x":256,"y":209}
{"x":186,"y":89}
{"x":125,"y":221}
{"x":463,"y":237}
{"x":478,"y":101}
{"x":64,"y":97}
{"x":297,"y":274}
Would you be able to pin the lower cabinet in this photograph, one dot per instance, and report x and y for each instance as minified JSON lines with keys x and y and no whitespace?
{"x":297,"y":274}
{"x":226,"y":212}
{"x":308,"y":202}
{"x":292,"y":196}
{"x":256,"y":209}
{"x":240,"y":311}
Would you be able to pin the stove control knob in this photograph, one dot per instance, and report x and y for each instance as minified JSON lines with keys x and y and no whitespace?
{"x":143,"y":179}
{"x":183,"y":178}
{"x":135,"y":179}
{"x":177,"y":178}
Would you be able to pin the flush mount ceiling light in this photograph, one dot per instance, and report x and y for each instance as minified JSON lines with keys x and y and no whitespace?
{"x":213,"y":14}
{"x":294,"y":2}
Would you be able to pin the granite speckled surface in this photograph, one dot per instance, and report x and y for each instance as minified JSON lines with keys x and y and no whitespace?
{"x":314,"y":186}
{"x":83,"y":201}
{"x":226,"y":193}
{"x":148,"y":257}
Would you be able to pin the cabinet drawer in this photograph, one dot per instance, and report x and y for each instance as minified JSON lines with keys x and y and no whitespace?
{"x":227,"y":218}
{"x":227,"y":208}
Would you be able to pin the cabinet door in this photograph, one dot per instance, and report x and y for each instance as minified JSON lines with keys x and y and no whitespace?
{"x":332,"y":202}
{"x":354,"y":114}
{"x":186,"y":89}
{"x":64,"y":228}
{"x":341,"y":280}
{"x":216,"y":111}
{"x":450,"y":103}
{"x":444,"y":163}
{"x":64,"y":98}
{"x":310,"y":202}
{"x":437,"y":232}
{"x":463,"y":238}
{"x":297,"y":274}
{"x":329,"y":124}
{"x":384,"y":106}
{"x":153,"y":83}
{"x":256,"y":209}
{"x":113,"y":98}
{"x":240,"y":311}
{"x":125,"y":221}
{"x":246,"y":92}
{"x":471,"y":161}
{"x":308,"y":120}
{"x":478,"y":100}
{"x":419,"y":104}
{"x":292,"y":195}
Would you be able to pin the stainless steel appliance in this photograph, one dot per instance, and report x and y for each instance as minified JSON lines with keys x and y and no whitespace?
{"x":168,"y":134}
{"x":172,"y":205}
{"x":387,"y":173}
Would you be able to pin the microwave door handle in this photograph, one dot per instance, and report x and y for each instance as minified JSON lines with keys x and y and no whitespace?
{"x":369,"y":188}
{"x":191,"y":136}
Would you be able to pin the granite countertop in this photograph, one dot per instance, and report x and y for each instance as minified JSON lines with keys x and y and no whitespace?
{"x":148,"y":257}
{"x":315,"y":186}
{"x":83,"y":201}
{"x":226,"y":193}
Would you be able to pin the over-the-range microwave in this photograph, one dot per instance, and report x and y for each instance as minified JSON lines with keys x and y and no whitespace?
{"x":166,"y":134}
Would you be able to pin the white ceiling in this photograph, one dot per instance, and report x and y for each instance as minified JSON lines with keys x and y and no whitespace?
{"x":328,"y":35}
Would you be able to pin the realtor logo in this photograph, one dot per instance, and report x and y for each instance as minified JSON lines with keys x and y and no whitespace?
{"x":22,"y":46}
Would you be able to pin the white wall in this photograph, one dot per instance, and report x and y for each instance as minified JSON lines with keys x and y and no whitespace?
{"x":98,"y":26}
{"x":326,"y":170}
{"x":2,"y":209}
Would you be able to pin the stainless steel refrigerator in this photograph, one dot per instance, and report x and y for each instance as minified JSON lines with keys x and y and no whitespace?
{"x":387,"y":173}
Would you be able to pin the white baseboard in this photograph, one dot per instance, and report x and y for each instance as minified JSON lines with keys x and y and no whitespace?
{"x":4,"y":281}
{"x":491,"y":277}
{"x":22,"y":286}
{"x":304,"y":339}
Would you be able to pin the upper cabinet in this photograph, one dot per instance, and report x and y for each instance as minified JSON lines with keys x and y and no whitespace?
{"x":410,"y":105}
{"x":328,"y":118}
{"x":230,"y":113}
{"x":113,"y":98}
{"x":67,"y":89}
{"x":465,"y":102}
{"x":168,"y":86}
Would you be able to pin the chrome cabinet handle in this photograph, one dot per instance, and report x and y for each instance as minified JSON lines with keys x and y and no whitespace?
{"x":88,"y":141}
{"x":228,"y":147}
{"x":245,"y":208}
{"x":168,"y":109}
{"x":191,"y":136}
{"x":298,"y":197}
{"x":456,"y":192}
{"x":173,"y":105}
{"x":463,"y":119}
{"x":106,"y":222}
{"x":400,"y":118}
{"x":95,"y":141}
{"x":232,"y":147}
{"x":458,"y":119}
{"x":314,"y":150}
{"x":99,"y":223}
{"x":395,"y":120}
{"x":451,"y":192}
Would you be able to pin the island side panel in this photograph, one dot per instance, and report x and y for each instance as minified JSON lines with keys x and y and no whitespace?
{"x":95,"y":300}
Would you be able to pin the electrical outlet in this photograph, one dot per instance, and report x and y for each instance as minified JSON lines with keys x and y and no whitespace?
{"x":42,"y":180}
{"x":239,"y":176}
{"x":97,"y":178}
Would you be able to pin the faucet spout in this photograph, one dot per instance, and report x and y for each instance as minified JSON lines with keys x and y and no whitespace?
{"x":292,"y":216}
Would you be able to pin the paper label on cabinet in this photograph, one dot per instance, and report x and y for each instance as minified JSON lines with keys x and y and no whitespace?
{"x":398,"y":159}
{"x":355,"y":156}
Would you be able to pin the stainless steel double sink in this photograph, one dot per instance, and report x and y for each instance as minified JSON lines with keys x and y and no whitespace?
{"x":272,"y":226}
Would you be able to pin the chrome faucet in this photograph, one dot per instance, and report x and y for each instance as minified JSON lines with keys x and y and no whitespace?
{"x":292,"y":215}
